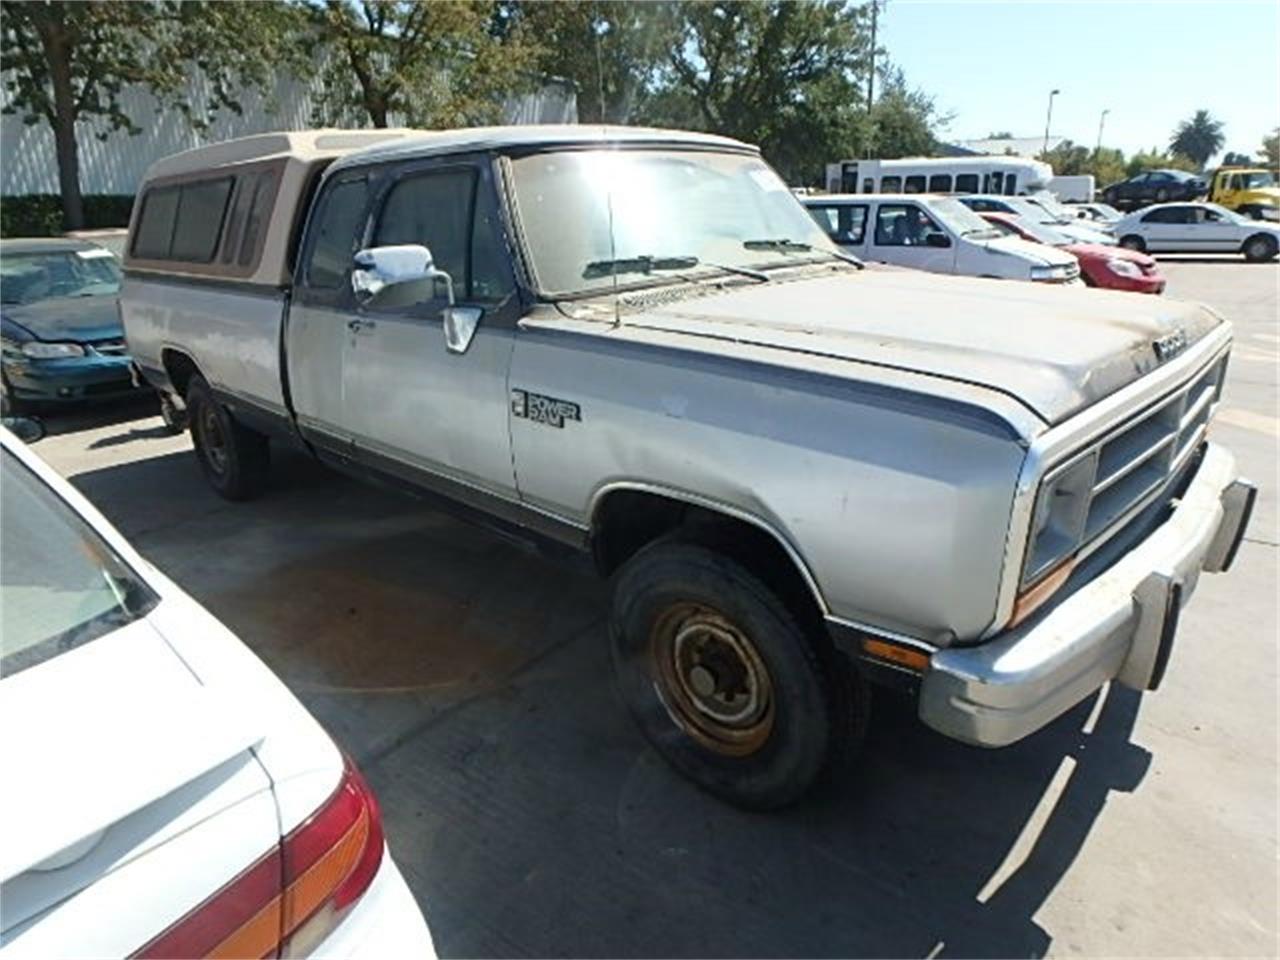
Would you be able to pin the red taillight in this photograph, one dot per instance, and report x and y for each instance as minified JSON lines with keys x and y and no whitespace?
{"x":299,"y":889}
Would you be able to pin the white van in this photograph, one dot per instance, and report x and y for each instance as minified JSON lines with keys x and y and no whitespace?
{"x":1079,"y":188}
{"x":938,"y":234}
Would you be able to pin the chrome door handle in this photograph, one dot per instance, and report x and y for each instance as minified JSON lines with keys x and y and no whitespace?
{"x":355,"y":326}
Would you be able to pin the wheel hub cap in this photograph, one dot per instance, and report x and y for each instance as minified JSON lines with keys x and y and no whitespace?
{"x":713,"y":680}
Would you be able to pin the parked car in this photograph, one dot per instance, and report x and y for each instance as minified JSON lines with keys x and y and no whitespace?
{"x":1079,"y":230}
{"x":1198,"y":228}
{"x":176,"y":800}
{"x":1113,"y":268}
{"x":1102,"y":214}
{"x":59,"y":323}
{"x":109,"y":238}
{"x":1154,"y":186}
{"x":638,"y":345}
{"x":1252,"y":192}
{"x":934,"y":233}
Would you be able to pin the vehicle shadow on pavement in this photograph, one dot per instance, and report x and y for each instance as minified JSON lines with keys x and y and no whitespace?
{"x":470,"y":679}
{"x":87,"y":415}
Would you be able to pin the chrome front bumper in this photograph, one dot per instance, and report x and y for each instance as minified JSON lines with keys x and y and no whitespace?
{"x":1119,"y":626}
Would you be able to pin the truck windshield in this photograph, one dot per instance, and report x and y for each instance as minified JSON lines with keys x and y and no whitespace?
{"x":1256,"y":180}
{"x":30,"y":277}
{"x":593,"y":218}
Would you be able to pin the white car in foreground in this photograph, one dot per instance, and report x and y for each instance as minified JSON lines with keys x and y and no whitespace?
{"x":166,"y":795}
{"x":1198,"y":228}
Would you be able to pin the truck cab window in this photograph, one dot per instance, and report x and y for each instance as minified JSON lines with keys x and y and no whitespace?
{"x":447,"y":213}
{"x":337,"y":234}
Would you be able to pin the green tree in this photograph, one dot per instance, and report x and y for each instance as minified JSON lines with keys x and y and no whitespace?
{"x":430,"y":64}
{"x":1000,"y":135}
{"x":610,"y":50}
{"x":1107,"y":166}
{"x":901,"y":123}
{"x":69,"y":63}
{"x":1233,"y":158}
{"x":785,"y":75}
{"x":1270,"y":151}
{"x":1197,"y":139}
{"x":1069,"y":159}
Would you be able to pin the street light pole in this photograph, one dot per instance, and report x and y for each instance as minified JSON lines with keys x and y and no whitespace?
{"x":1101,"y":120}
{"x":1048,"y":118}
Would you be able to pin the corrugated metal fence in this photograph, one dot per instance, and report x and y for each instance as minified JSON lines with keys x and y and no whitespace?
{"x":113,"y":162}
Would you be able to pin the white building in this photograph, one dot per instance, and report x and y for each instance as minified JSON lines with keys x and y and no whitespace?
{"x":114,"y":165}
{"x":1004,"y":146}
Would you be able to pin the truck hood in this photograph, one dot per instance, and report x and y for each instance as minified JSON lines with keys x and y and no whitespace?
{"x":79,"y":319}
{"x":1055,"y":349}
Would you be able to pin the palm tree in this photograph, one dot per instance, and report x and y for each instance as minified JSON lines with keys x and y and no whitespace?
{"x":1199,"y":138}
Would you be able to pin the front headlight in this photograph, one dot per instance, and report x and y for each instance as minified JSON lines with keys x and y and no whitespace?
{"x":1124,"y":268}
{"x":1056,"y":272}
{"x":51,"y":351}
{"x":1057,"y":523}
{"x":1271,"y":213}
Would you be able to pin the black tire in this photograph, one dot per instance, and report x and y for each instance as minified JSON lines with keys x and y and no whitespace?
{"x":1131,"y":241}
{"x":687,"y":623}
{"x":235,"y":460}
{"x":1259,"y":248}
{"x":174,"y":419}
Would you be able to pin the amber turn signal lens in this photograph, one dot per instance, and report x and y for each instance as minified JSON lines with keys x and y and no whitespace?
{"x":902,"y":656}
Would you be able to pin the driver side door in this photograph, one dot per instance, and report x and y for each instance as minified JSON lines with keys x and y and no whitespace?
{"x":900,"y":236}
{"x":416,"y":409}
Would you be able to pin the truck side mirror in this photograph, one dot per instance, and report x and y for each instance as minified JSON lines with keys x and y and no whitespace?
{"x":377,"y":268}
{"x":937,"y":240}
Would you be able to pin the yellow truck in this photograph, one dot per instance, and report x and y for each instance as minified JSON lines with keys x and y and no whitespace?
{"x":1250,"y":191}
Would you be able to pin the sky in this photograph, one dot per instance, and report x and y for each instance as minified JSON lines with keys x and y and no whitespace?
{"x":1152,"y":64}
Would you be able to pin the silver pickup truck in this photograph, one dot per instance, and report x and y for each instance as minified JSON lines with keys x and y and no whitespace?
{"x":802,"y":478}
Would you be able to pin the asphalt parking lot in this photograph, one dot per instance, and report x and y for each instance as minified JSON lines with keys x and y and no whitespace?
{"x":469,"y":677}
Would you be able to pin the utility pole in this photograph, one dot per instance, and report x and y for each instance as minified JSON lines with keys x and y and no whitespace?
{"x":1048,"y":118}
{"x":1101,"y":120}
{"x":871,"y":74}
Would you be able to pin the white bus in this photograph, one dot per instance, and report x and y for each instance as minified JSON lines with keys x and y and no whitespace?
{"x":1012,"y":176}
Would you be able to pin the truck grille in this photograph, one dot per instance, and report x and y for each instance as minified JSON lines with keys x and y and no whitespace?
{"x":1090,"y":497}
{"x":1136,"y":461}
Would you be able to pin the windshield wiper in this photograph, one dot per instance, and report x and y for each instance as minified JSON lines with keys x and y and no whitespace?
{"x":778,"y":244}
{"x":648,"y":264}
{"x":640,"y":264}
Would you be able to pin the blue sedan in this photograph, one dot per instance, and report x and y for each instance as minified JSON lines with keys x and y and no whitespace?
{"x":59,"y":323}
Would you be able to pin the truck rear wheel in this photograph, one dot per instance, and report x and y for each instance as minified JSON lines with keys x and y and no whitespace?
{"x":723,"y":680}
{"x":234,"y":459}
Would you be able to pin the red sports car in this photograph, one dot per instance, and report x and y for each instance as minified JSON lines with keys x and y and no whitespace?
{"x":1112,"y":267}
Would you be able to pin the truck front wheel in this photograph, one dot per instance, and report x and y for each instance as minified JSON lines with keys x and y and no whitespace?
{"x":724,"y":681}
{"x":234,"y":459}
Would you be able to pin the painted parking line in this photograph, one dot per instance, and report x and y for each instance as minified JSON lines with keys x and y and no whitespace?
{"x":1257,"y":422}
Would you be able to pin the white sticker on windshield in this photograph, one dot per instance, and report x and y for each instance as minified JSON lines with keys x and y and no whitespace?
{"x":97,"y":253}
{"x":768,"y":180}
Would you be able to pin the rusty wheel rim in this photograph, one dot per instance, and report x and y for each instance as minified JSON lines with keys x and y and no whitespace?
{"x":711,"y":679}
{"x":212,"y":442}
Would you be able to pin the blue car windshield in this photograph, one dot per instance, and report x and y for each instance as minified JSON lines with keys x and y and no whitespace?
{"x":32,"y":277}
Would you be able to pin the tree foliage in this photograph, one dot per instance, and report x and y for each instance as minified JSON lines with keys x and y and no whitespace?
{"x":610,"y":50}
{"x":781,"y":74}
{"x":1270,"y":150}
{"x":69,"y":63}
{"x":1198,"y":138}
{"x":436,"y":64}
